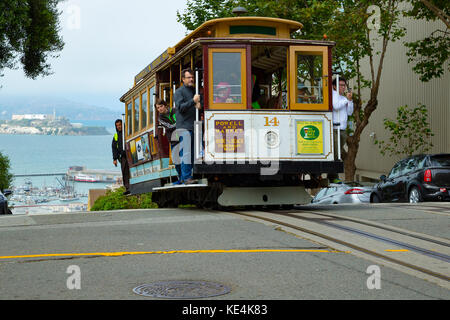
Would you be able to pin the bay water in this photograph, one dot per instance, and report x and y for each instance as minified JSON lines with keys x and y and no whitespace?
{"x":41,"y":154}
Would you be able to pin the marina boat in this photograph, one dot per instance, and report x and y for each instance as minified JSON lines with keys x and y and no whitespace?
{"x":68,"y":197}
{"x":85,"y":178}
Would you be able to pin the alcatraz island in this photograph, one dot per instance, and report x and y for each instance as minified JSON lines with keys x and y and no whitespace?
{"x":41,"y":124}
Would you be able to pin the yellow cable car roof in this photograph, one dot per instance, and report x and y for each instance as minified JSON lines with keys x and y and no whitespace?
{"x":213,"y":24}
{"x":220,"y":27}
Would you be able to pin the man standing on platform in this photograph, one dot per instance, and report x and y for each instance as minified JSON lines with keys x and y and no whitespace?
{"x":186,"y":102}
{"x":120,"y":154}
{"x":342,"y":108}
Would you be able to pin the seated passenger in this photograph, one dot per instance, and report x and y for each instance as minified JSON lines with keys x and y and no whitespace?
{"x":223,"y":93}
{"x":274,"y":102}
{"x":304,"y":96}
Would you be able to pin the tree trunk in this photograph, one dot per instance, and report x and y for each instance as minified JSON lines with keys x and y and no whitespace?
{"x":353,"y":141}
{"x":350,"y":159}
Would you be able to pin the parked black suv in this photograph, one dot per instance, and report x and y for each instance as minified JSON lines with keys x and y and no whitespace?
{"x":415,"y":179}
{"x":4,"y":202}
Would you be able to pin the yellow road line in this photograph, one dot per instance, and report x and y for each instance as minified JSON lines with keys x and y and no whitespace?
{"x":399,"y":250}
{"x":117,"y":254}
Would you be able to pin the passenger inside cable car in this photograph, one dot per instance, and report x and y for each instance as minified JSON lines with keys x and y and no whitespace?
{"x":223,"y":92}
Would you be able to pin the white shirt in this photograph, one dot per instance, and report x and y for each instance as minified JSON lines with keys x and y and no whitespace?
{"x":342,"y":108}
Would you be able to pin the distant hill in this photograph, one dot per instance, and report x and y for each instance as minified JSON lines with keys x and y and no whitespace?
{"x":45,"y":105}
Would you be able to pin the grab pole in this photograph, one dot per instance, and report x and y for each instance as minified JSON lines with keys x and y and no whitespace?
{"x":123,"y":131}
{"x":339,"y":119}
{"x":197,"y":117}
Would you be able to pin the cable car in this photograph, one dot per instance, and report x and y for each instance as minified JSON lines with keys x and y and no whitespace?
{"x":265,"y":131}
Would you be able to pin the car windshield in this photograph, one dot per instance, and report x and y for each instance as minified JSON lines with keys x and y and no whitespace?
{"x":353,"y":184}
{"x":440,"y":160}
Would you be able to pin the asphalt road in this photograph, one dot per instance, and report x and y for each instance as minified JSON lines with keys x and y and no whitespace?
{"x":105,"y":255}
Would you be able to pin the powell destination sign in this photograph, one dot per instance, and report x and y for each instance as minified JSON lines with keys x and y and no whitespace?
{"x":229,"y":136}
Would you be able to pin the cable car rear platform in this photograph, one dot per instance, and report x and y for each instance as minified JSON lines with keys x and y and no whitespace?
{"x":279,"y":183}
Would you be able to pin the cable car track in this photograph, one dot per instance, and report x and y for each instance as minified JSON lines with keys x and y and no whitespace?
{"x":422,"y":251}
{"x":429,"y":253}
{"x":402,"y":232}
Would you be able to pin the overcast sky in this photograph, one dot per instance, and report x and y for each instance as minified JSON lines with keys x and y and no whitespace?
{"x":107,"y":42}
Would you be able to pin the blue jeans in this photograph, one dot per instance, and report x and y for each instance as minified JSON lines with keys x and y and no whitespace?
{"x":186,"y":154}
{"x":177,"y":166}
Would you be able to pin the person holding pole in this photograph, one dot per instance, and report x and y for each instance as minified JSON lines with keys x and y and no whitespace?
{"x":342,"y":108}
{"x":187,"y":104}
{"x":118,"y":152}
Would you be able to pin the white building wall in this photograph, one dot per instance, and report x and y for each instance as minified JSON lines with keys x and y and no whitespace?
{"x":401,"y":86}
{"x":29,"y":117}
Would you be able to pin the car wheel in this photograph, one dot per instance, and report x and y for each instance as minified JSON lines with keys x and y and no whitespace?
{"x":414,"y":195}
{"x":375,"y":199}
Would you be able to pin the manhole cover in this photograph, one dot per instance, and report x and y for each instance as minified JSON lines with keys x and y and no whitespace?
{"x":182,"y":289}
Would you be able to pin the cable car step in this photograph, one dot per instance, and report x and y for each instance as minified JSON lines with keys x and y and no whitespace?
{"x":242,"y":196}
{"x":201,"y":184}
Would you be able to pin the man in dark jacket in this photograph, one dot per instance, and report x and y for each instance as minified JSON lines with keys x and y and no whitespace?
{"x":120,"y":154}
{"x":186,"y":101}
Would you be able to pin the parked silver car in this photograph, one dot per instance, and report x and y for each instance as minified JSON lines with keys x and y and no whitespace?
{"x":347,"y":192}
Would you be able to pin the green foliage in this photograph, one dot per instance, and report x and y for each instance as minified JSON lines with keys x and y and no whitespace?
{"x":344,"y":22}
{"x":410,"y":134}
{"x":29,"y":34}
{"x":431,"y":54}
{"x":115,"y":200}
{"x":6,"y":176}
{"x":420,"y":10}
{"x":200,"y":11}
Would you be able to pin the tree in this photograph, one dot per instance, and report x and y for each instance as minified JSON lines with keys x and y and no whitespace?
{"x":430,"y":10}
{"x":410,"y":134}
{"x":200,"y":11}
{"x":358,"y":27}
{"x":29,"y":34}
{"x":431,"y":53}
{"x":371,"y":43}
{"x":6,"y":176}
{"x":305,"y":11}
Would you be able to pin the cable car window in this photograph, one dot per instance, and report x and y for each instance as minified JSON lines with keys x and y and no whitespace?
{"x":152,"y":105}
{"x":136,"y":115}
{"x":309,"y":78}
{"x":129,"y":117}
{"x":269,"y":85}
{"x":227,"y":78}
{"x":144,"y":110}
